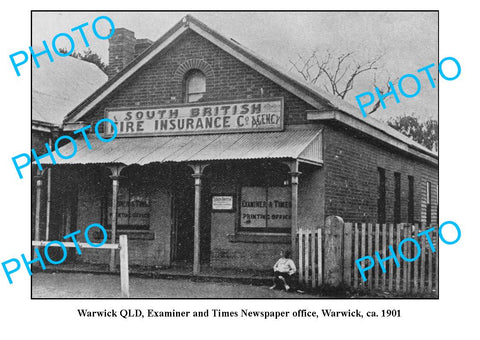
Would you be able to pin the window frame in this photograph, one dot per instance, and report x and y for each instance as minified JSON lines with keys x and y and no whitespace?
{"x":186,"y":81}
{"x":428,"y":201}
{"x":411,"y":199}
{"x":267,"y":229}
{"x":108,"y":203}
{"x":397,"y":198}
{"x":382,"y":196}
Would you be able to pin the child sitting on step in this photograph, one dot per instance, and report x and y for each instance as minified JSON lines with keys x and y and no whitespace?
{"x":283,"y":270}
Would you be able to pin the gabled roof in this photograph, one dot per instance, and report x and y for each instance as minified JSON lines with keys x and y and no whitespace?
{"x":337,"y":109}
{"x":61,"y":86}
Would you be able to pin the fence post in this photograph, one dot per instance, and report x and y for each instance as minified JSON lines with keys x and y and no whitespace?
{"x":124,"y":266}
{"x":384,"y":254}
{"x":405,"y":264}
{"x":370,"y":252}
{"x":398,"y":276}
{"x":333,"y":250}
{"x":355,"y":253}
{"x":362,"y":250}
{"x":423,"y":244}
{"x":307,"y":257}
{"x":319,"y":254}
{"x":390,"y":262}
{"x":313,"y":253}
{"x":347,"y":255}
{"x":377,"y":248}
{"x":300,"y":255}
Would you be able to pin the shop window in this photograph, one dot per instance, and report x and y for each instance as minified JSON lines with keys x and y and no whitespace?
{"x":381,"y":206}
{"x":397,"y":204}
{"x":195,"y":86}
{"x":133,"y":209}
{"x":265,"y":201}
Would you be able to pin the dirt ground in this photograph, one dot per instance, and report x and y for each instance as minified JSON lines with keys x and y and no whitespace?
{"x":73,"y":285}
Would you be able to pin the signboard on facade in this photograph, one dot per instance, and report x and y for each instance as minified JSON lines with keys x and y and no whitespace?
{"x":199,"y":118}
{"x":222,"y":202}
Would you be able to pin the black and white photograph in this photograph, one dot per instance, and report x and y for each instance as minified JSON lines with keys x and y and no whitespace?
{"x":239,"y":170}
{"x":235,"y":166}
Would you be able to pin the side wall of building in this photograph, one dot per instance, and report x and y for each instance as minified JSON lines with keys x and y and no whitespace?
{"x":352,"y":179}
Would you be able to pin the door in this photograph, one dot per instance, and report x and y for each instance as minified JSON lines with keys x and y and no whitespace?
{"x":183,"y":214}
{"x":183,"y":205}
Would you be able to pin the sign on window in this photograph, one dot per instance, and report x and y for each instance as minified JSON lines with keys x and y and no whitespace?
{"x":133,"y":210}
{"x":262,"y":208}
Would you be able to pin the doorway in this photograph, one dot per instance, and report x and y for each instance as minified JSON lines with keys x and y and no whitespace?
{"x":183,"y":196}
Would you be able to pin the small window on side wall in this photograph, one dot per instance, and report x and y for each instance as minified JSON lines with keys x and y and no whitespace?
{"x":195,"y":86}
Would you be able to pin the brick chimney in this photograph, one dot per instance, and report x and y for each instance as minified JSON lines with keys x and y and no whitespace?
{"x":141,"y":45}
{"x":123,"y":48}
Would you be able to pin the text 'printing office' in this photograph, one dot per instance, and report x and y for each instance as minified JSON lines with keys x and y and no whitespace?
{"x":220,"y":157}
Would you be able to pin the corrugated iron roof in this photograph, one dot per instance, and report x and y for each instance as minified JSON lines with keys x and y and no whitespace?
{"x":289,"y":144}
{"x":57,"y":88}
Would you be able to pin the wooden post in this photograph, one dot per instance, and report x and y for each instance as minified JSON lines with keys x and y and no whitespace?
{"x":430,"y":268}
{"x":409,"y":264}
{"x":347,"y":255}
{"x":437,"y":258}
{"x":355,"y":254}
{"x":313,"y":256}
{"x":377,"y":248}
{"x":370,"y":253}
{"x":294,"y":183}
{"x":398,"y":277}
{"x":39,"y":182}
{"x":362,"y":251}
{"x":307,"y":257}
{"x":124,"y":266}
{"x":415,"y":264}
{"x":49,"y":201}
{"x":197,"y":175}
{"x":319,"y":254}
{"x":390,"y":262}
{"x":115,"y":186}
{"x":300,"y":254}
{"x":405,"y":264}
{"x":422,"y":243}
{"x":384,"y":254}
{"x":333,"y":251}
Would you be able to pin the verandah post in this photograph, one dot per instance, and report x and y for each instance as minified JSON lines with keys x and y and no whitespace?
{"x":197,"y":175}
{"x":39,"y":183}
{"x":116,"y":169}
{"x":294,"y":173}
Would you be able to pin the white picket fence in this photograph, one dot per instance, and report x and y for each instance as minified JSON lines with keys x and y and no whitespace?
{"x":363,"y":239}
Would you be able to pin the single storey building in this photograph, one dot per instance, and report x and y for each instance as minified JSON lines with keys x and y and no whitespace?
{"x":221,"y":156}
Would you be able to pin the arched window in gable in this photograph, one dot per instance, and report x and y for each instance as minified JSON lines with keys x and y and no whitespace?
{"x":195,"y":86}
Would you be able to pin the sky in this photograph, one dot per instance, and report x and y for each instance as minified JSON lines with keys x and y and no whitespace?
{"x":408,"y":41}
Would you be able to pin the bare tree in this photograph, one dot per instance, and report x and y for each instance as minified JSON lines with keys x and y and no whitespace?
{"x":337,"y":73}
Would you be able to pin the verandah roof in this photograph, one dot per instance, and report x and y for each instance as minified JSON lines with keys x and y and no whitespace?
{"x":304,"y":145}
